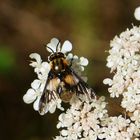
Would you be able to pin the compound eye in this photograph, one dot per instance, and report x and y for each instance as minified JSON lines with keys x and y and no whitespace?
{"x":63,"y":55}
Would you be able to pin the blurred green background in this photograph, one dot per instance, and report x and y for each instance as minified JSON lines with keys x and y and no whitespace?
{"x":25,"y":25}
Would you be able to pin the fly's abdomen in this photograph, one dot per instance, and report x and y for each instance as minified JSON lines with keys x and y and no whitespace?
{"x":64,"y":93}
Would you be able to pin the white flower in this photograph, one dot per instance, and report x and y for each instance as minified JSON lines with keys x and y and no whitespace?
{"x":33,"y":92}
{"x":136,"y":116}
{"x":37,"y":86}
{"x":137,"y":13}
{"x":42,"y":70}
{"x":30,"y":96}
{"x":136,"y":122}
{"x":37,"y":58}
{"x":67,"y":47}
{"x":107,"y":81}
{"x":124,"y":61}
{"x":115,"y":129}
{"x":78,"y":64}
{"x":55,"y":45}
{"x":83,"y":119}
{"x":83,"y":61}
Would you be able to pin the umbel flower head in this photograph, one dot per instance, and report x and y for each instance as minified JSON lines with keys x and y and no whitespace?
{"x":42,"y":69}
{"x":124,"y":62}
{"x":83,"y":120}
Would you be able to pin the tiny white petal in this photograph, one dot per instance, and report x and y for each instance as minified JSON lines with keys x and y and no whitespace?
{"x":36,"y":104}
{"x":53,"y":44}
{"x":30,"y":96}
{"x":69,"y":56}
{"x":64,"y":132}
{"x":82,"y":68}
{"x":83,"y":61}
{"x":137,"y":13}
{"x":107,"y":81}
{"x":35,"y":84}
{"x":67,"y":47}
{"x":84,"y":78}
{"x":52,"y":107}
{"x":75,"y":57}
{"x":46,"y":65}
{"x":54,"y":41}
{"x":36,"y":56}
{"x":33,"y":64}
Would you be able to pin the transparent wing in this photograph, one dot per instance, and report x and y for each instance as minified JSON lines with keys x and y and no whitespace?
{"x":81,"y":87}
{"x":74,"y":83}
{"x":49,"y":93}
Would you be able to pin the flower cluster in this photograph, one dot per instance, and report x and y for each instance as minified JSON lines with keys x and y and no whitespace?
{"x":42,"y":69}
{"x":116,"y":128}
{"x":124,"y":61}
{"x":90,"y":121}
{"x":83,"y":120}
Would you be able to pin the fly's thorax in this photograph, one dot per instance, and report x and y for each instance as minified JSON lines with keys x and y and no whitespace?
{"x":59,"y":65}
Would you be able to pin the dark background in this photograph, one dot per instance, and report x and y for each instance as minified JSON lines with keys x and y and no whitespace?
{"x":25,"y":25}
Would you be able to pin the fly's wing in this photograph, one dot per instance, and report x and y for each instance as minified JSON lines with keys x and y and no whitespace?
{"x":63,"y":86}
{"x":79,"y":85}
{"x":49,"y":93}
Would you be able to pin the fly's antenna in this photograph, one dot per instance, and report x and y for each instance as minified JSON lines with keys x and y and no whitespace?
{"x":49,"y":48}
{"x":57,"y":46}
